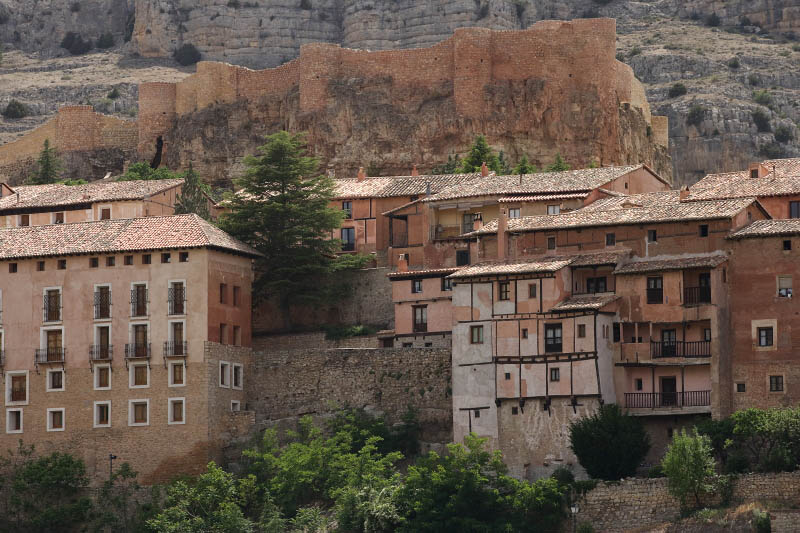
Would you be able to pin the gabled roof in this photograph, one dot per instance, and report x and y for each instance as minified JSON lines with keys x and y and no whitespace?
{"x":533,"y":266}
{"x":783,"y":179}
{"x":59,"y":195}
{"x":659,"y":264}
{"x":116,"y":236}
{"x":394,"y":186}
{"x":768,"y":228}
{"x":585,"y":302}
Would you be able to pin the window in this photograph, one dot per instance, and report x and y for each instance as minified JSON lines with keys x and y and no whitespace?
{"x":139,"y":376}
{"x":581,"y":331}
{"x":611,"y":239}
{"x":652,"y":235}
{"x":594,"y":285}
{"x":513,"y":212}
{"x":16,"y":387}
{"x":477,"y":413}
{"x":111,"y":261}
{"x":24,"y":220}
{"x":707,"y":334}
{"x":408,"y":345}
{"x":177,"y":373}
{"x":505,"y":290}
{"x":508,"y":376}
{"x":515,"y":410}
{"x":105,"y":213}
{"x":476,"y":334}
{"x":166,"y":258}
{"x":55,"y":419}
{"x":347,"y":207}
{"x":147,"y":259}
{"x":52,"y":305}
{"x":416,"y":286}
{"x":102,"y":349}
{"x":128,"y":260}
{"x":524,"y":333}
{"x":237,"y":336}
{"x":655,"y":290}
{"x":55,"y":380}
{"x":237,"y":295}
{"x":183,"y":257}
{"x":139,"y":299}
{"x":420,"y":318}
{"x":62,"y":264}
{"x":223,"y":293}
{"x":447,"y":284}
{"x":638,"y":384}
{"x":532,"y":290}
{"x":552,"y":338}
{"x":58,"y":218}
{"x":551,"y":243}
{"x":12,"y":268}
{"x":462,"y":257}
{"x":176,"y":298}
{"x":40,"y":266}
{"x":223,"y":333}
{"x":741,"y":387}
{"x":13,"y":420}
{"x":236,"y":406}
{"x":785,"y":286}
{"x":348,"y":239}
{"x":555,"y":374}
{"x":237,"y":378}
{"x":794,"y":209}
{"x":224,"y":374}
{"x":102,"y":414}
{"x":776,"y":383}
{"x":177,"y":413}
{"x":102,"y":377}
{"x":753,"y":173}
{"x":787,"y":244}
{"x":765,"y":336}
{"x":138,"y":412}
{"x":704,"y":230}
{"x":553,"y":209}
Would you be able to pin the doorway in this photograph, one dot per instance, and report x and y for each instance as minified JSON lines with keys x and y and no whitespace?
{"x":669,"y":391}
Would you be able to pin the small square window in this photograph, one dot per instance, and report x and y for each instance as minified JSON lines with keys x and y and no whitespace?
{"x":94,"y":262}
{"x":555,"y":374}
{"x":183,"y":257}
{"x":55,"y":380}
{"x":224,"y":374}
{"x":787,"y":244}
{"x":611,"y":239}
{"x":12,"y":268}
{"x":638,"y":384}
{"x":58,"y":218}
{"x":524,"y":333}
{"x":408,"y":345}
{"x":166,"y":258}
{"x":55,"y":419}
{"x":236,"y":406}
{"x":111,"y":261}
{"x":62,"y":264}
{"x":40,"y":266}
{"x":551,"y":243}
{"x":532,"y":290}
{"x":102,"y":414}
{"x":741,"y":387}
{"x":581,"y":331}
{"x":429,"y":345}
{"x":776,"y":383}
{"x":514,"y":212}
{"x":13,"y":420}
{"x":24,"y":220}
{"x":652,"y":235}
{"x":128,"y":260}
{"x":553,"y":209}
{"x":177,"y":408}
{"x":707,"y":334}
{"x":105,"y":213}
{"x":515,"y":410}
{"x":447,"y":284}
{"x":102,"y":377}
{"x":704,"y":230}
{"x":146,"y":259}
{"x":416,"y":286}
{"x":138,"y":412}
{"x":508,"y":376}
{"x":477,"y":413}
{"x":476,"y":334}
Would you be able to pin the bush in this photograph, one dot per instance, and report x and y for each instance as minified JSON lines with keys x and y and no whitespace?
{"x":762,"y":97}
{"x":16,"y":109}
{"x":761,"y":521}
{"x":563,"y":475}
{"x":75,"y":44}
{"x":585,"y":527}
{"x":635,"y":51}
{"x":676,"y":90}
{"x":696,"y":115}
{"x":752,"y":79}
{"x":689,"y":465}
{"x":235,"y":4}
{"x":771,"y":150}
{"x":733,"y":63}
{"x":113,"y":94}
{"x":188,"y":54}
{"x":712,"y":20}
{"x":783,"y":134}
{"x":105,"y":41}
{"x":761,"y":120}
{"x":609,"y":444}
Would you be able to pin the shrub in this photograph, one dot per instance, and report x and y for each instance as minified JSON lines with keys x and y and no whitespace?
{"x":752,"y":79}
{"x":188,"y":54}
{"x":602,"y":2}
{"x":563,"y":475}
{"x":689,"y":465}
{"x":694,"y":15}
{"x":676,"y":90}
{"x":483,"y":11}
{"x":609,"y":444}
{"x":235,"y":4}
{"x":74,"y":43}
{"x":733,"y":63}
{"x":105,"y":41}
{"x":585,"y":527}
{"x":762,"y":97}
{"x":761,"y":521}
{"x":771,"y":150}
{"x":16,"y":109}
{"x":745,"y":21}
{"x":696,"y":115}
{"x":783,"y":134}
{"x":761,"y":120}
{"x":712,"y":20}
{"x":655,"y":471}
{"x":113,"y":94}
{"x":635,"y":51}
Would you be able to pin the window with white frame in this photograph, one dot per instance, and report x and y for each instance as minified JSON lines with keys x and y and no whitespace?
{"x":177,"y":411}
{"x":513,"y":212}
{"x":102,"y":414}
{"x":55,"y":419}
{"x":224,"y":374}
{"x":553,"y":209}
{"x":16,"y":387}
{"x":55,"y":380}
{"x":177,"y":374}
{"x":139,"y":375}
{"x":238,"y":376}
{"x":138,"y":412}
{"x":102,"y":377}
{"x":14,"y":420}
{"x":236,"y":406}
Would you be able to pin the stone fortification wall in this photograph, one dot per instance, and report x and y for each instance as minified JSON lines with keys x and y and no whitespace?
{"x":641,"y":503}
{"x":312,"y":340}
{"x":286,"y":384}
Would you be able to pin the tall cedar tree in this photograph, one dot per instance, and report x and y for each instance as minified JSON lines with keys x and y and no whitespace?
{"x":48,"y":166}
{"x":558,"y":165}
{"x":282,"y":211}
{"x":480,"y":153}
{"x":193,"y":197}
{"x":524,"y":166}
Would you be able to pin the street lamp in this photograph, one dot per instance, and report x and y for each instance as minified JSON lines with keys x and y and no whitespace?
{"x":574,"y":510}
{"x":111,"y":458}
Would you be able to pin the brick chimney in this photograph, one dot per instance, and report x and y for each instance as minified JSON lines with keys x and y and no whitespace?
{"x":414,"y":171}
{"x":684,"y":194}
{"x":484,"y":169}
{"x":477,"y":224}
{"x":502,"y":226}
{"x":402,"y":263}
{"x":361,"y":174}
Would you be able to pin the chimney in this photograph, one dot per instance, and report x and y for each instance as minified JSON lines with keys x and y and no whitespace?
{"x":414,"y":171}
{"x":502,"y":225}
{"x":361,"y":174}
{"x":402,"y":263}
{"x":484,"y":169}
{"x":684,"y":194}
{"x":477,"y":224}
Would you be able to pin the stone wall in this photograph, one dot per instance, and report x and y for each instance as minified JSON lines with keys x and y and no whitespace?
{"x":314,"y":340}
{"x":640,"y":503}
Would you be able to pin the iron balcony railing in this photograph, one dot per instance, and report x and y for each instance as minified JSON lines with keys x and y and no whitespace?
{"x":139,"y":302}
{"x":50,"y":355}
{"x":52,"y":307}
{"x":101,"y":352}
{"x":137,"y":351}
{"x":655,"y":296}
{"x":102,"y":304}
{"x":18,"y":394}
{"x":172,"y":348}
{"x":176,"y":300}
{"x":696,"y":295}
{"x":654,"y":400}
{"x":680,"y":349}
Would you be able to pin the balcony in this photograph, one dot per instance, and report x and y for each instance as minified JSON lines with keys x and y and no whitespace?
{"x":176,"y":300}
{"x":670,"y":400}
{"x":175,"y":349}
{"x":680,"y":349}
{"x":101,"y":352}
{"x":137,"y":351}
{"x":49,"y":355}
{"x":696,"y":295}
{"x":102,"y":305}
{"x":655,"y":296}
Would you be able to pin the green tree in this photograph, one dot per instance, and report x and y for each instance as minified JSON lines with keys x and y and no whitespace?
{"x":282,"y":210}
{"x":48,"y":166}
{"x":609,"y":444}
{"x":524,"y":166}
{"x":558,"y":165}
{"x":689,"y":466}
{"x":450,"y":167}
{"x":193,"y":197}
{"x":480,"y":153}
{"x":143,"y":171}
{"x":505,"y":168}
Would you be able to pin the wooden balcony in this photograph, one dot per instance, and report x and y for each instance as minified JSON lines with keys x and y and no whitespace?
{"x":680,"y":349}
{"x":668,"y":400}
{"x":696,"y":295}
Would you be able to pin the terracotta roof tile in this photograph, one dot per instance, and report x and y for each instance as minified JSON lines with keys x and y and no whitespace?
{"x":423,"y":273}
{"x":782,"y":181}
{"x":539,"y":265}
{"x":393,"y":186}
{"x":768,"y":228}
{"x":57,"y":195}
{"x":585,"y":301}
{"x":600,"y":258}
{"x":672,"y":263}
{"x":542,"y":197}
{"x":117,"y":235}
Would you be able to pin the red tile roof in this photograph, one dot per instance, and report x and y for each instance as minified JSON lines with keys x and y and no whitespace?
{"x":394,"y":186}
{"x":657,"y":264}
{"x":59,"y":195}
{"x":543,"y":197}
{"x":768,"y":228}
{"x":584,"y":302}
{"x":533,"y":266}
{"x":118,"y":235}
{"x":428,"y":273}
{"x":783,"y":179}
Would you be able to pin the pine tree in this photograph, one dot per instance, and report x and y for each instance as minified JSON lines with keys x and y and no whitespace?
{"x":282,"y":210}
{"x":558,"y":165}
{"x":48,"y":166}
{"x":193,"y":197}
{"x":505,"y":168}
{"x":480,"y":153}
{"x":451,"y":167}
{"x":524,"y":166}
